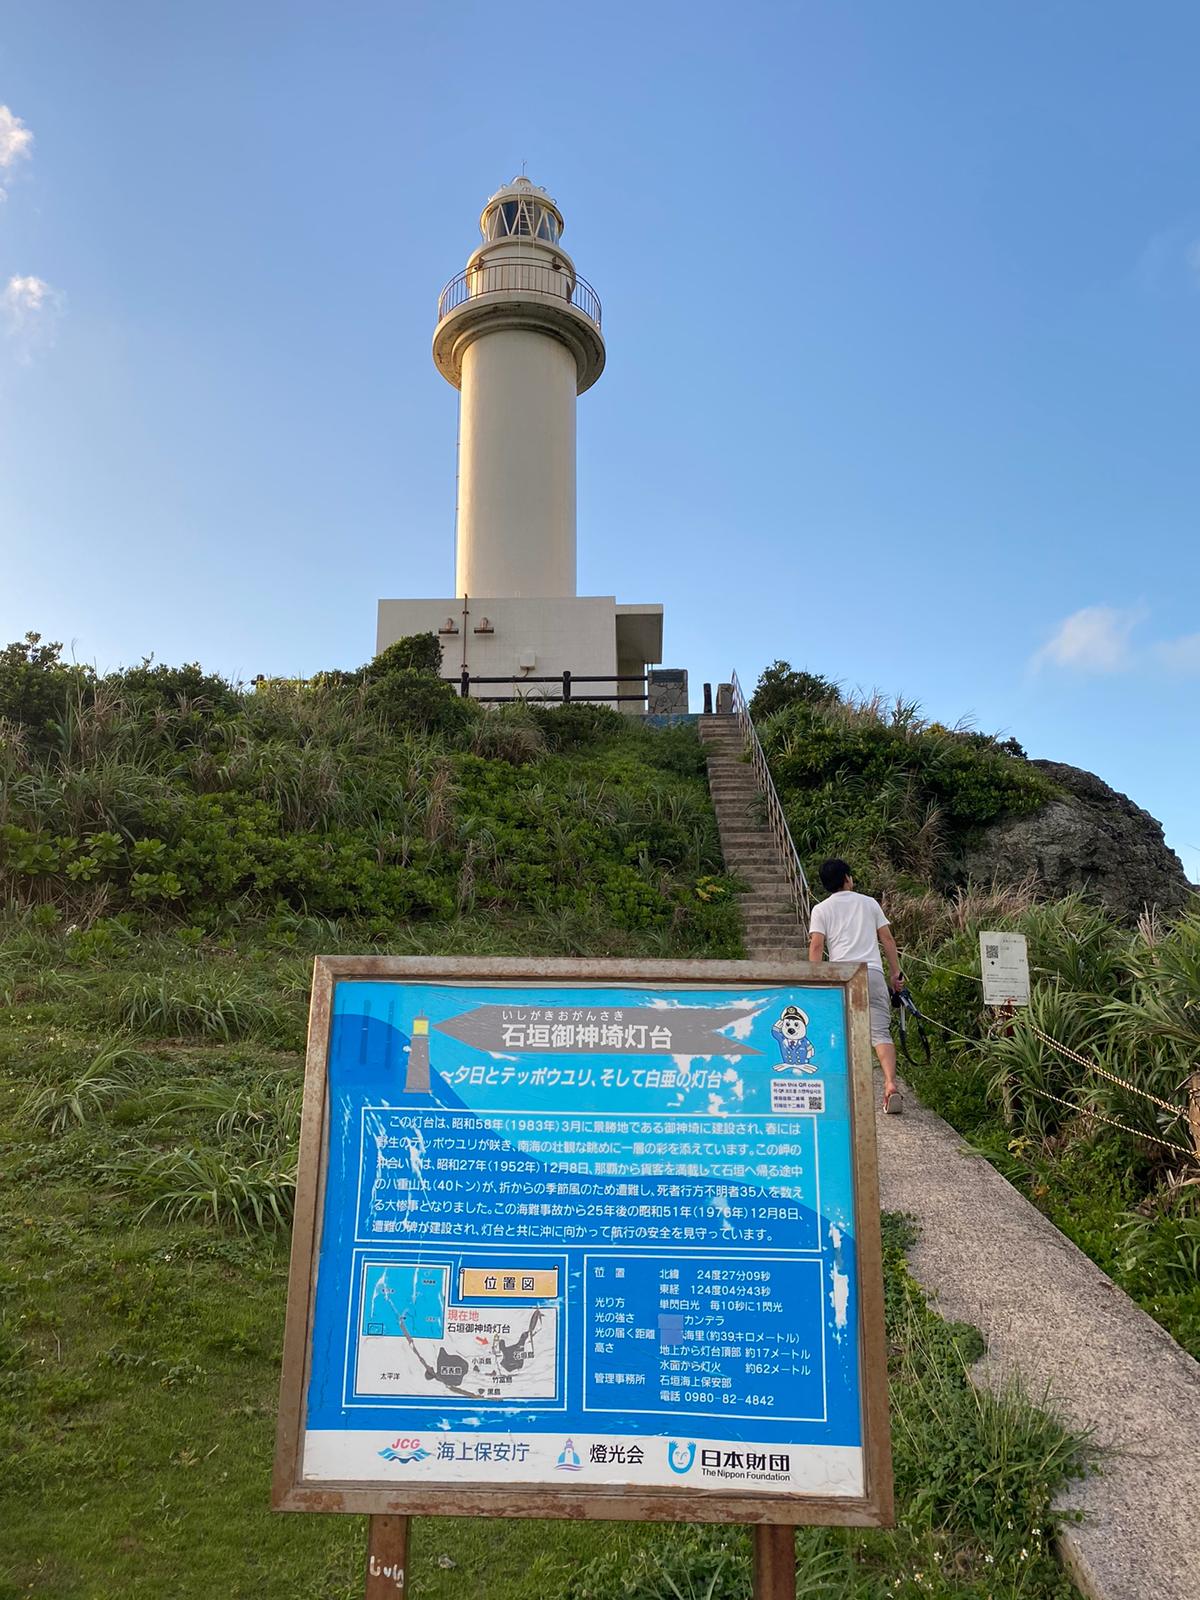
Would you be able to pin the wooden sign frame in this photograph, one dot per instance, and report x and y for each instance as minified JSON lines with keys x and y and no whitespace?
{"x":575,"y":1500}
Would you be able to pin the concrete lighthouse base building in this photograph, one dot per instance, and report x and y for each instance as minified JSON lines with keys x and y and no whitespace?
{"x":518,"y":334}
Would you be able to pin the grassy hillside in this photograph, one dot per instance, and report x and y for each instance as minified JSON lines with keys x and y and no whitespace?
{"x":172,"y":854}
{"x":376,"y":796}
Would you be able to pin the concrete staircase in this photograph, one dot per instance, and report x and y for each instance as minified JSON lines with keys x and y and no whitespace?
{"x":772,"y":929}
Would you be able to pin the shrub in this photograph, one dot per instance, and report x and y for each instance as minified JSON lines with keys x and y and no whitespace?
{"x":417,"y":652}
{"x":411,"y":701}
{"x":174,"y":687}
{"x":781,"y":685}
{"x":577,"y":726}
{"x":36,"y":684}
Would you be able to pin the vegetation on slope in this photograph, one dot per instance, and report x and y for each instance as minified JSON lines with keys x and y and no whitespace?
{"x":173,"y":851}
{"x":898,"y":792}
{"x":378,"y":796}
{"x":895,"y":795}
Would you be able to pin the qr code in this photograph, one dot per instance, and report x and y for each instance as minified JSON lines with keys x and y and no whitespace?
{"x":992,"y":952}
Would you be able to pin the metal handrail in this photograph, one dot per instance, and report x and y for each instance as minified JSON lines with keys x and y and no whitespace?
{"x":776,"y":820}
{"x":513,"y":276}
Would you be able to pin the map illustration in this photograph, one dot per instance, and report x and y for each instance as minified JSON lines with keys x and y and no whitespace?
{"x":400,"y":1299}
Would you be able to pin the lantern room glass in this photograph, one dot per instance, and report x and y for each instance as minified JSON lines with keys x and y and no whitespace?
{"x":521,"y":219}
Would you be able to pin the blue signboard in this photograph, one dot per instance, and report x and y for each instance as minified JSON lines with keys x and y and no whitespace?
{"x":572,"y":1231}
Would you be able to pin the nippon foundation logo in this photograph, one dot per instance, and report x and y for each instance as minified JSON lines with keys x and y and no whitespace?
{"x":405,"y":1451}
{"x":746,"y":1466}
{"x":681,"y":1457}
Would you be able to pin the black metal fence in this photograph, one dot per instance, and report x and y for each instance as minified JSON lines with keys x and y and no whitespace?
{"x":566,"y":682}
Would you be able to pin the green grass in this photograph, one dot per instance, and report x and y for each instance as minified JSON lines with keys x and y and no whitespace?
{"x":142,"y":1284}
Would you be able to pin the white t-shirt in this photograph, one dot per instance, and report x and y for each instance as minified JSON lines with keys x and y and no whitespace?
{"x":850,"y":922}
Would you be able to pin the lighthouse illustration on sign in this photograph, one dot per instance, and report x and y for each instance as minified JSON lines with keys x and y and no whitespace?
{"x":518,"y":334}
{"x":416,"y":1079}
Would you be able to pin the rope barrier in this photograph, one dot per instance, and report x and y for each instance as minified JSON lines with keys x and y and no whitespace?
{"x":1122,"y":1083}
{"x":1168,"y":1144}
{"x":1085,"y":1111}
{"x":1071,"y":1055}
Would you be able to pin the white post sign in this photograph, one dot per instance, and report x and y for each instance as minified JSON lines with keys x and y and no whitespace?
{"x":1004,"y":962}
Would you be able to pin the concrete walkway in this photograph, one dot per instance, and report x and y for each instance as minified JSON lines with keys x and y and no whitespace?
{"x":1078,"y":1344}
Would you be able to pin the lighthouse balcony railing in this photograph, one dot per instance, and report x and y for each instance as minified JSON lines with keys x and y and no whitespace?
{"x":520,"y":277}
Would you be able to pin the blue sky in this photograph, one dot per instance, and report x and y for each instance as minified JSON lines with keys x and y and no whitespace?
{"x":902,"y":305}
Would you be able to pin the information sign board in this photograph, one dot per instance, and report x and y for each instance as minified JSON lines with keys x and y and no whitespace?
{"x":1004,"y":964}
{"x":587,"y":1238}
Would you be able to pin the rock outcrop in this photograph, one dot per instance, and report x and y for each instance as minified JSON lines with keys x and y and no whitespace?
{"x":1090,"y":838}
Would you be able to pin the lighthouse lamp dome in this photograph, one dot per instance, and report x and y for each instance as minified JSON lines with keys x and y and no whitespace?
{"x":521,"y":211}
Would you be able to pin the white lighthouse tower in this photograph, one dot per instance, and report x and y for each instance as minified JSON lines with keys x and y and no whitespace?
{"x":518,"y":334}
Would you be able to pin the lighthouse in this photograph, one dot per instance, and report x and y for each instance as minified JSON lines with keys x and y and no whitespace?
{"x":519,"y":335}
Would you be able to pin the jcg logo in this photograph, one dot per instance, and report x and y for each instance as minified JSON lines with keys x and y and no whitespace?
{"x":681,"y":1456}
{"x":405,"y":1451}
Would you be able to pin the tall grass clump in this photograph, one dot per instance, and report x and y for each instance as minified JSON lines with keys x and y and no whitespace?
{"x":115,"y":1072}
{"x":210,"y":1004}
{"x":220,"y":1187}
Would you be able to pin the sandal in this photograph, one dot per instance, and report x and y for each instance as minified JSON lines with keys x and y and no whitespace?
{"x":893,"y":1106}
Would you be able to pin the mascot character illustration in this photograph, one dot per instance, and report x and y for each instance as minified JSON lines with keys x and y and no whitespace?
{"x":795,"y":1047}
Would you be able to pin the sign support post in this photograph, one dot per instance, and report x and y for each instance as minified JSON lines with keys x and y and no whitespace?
{"x":387,"y":1558}
{"x":774,"y":1562}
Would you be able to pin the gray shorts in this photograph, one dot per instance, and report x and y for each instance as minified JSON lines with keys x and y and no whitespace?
{"x":881,"y":1006}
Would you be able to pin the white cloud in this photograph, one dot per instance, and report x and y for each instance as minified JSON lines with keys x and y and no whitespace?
{"x":1094,"y":639}
{"x":30,"y":308}
{"x":15,"y":142}
{"x":25,"y":297}
{"x":1180,"y":655}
